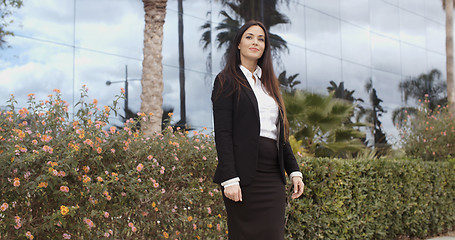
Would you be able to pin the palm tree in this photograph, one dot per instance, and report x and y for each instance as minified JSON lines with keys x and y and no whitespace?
{"x":448,"y":6}
{"x":288,"y":82}
{"x":319,"y":122}
{"x":380,"y":141}
{"x":152,"y":67}
{"x":264,"y":10}
{"x":425,"y":86}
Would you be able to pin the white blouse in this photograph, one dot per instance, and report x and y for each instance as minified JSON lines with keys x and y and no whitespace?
{"x":268,"y":109}
{"x":268,"y":114}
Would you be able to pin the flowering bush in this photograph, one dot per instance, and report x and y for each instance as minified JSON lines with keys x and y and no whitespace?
{"x":429,"y":135}
{"x":65,"y":177}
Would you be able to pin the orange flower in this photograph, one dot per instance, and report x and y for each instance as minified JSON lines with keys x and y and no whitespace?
{"x":64,"y":210}
{"x":42,"y":185}
{"x":166,"y":235}
{"x":16,"y":182}
{"x":190,"y":219}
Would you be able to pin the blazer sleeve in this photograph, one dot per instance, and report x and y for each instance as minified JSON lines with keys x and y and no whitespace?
{"x":223,"y":105}
{"x":290,"y":163}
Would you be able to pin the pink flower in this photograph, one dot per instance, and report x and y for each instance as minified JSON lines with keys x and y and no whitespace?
{"x":209,"y":210}
{"x":218,"y":227}
{"x":156,"y":185}
{"x":64,"y":189}
{"x":16,"y":182}
{"x":163,"y":190}
{"x":162,"y":170}
{"x":130,"y":224}
{"x":149,"y":157}
{"x":89,"y":223}
{"x":66,"y":236}
{"x":4,"y":207}
{"x":139,"y":167}
{"x":112,"y":150}
{"x":106,"y":214}
{"x":204,"y":158}
{"x":106,"y":235}
{"x":194,"y":226}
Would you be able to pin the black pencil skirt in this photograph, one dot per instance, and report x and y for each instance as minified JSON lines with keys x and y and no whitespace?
{"x":260,"y":216}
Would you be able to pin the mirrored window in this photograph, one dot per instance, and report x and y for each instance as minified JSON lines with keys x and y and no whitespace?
{"x":415,"y":6}
{"x":355,"y":43}
{"x":435,"y":36}
{"x":321,"y":69}
{"x":434,"y":11}
{"x":384,"y":18}
{"x":385,"y":54}
{"x":355,"y":78}
{"x":293,"y":63}
{"x":437,"y":61}
{"x":330,"y":7}
{"x":355,"y":12}
{"x":386,"y":86}
{"x":412,"y":28}
{"x":414,"y":60}
{"x":322,"y":33}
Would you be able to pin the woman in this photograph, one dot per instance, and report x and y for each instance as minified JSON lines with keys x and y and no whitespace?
{"x":251,"y":135}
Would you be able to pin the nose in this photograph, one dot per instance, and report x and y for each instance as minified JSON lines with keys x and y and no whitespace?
{"x":255,"y":41}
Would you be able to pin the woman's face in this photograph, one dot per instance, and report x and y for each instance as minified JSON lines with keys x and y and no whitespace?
{"x":252,"y":44}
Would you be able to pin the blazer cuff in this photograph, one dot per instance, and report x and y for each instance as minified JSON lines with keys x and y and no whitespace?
{"x":231,"y":182}
{"x":295,"y":174}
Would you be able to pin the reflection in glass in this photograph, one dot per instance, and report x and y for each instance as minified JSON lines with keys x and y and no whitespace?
{"x":412,"y":28}
{"x":355,"y":44}
{"x":435,"y":36}
{"x":414,"y":60}
{"x":330,"y":7}
{"x":415,"y":6}
{"x":434,"y":11}
{"x":437,"y":61}
{"x":384,"y":18}
{"x":386,"y":54}
{"x":355,"y":12}
{"x":323,"y":33}
{"x":321,"y":69}
{"x":355,"y":77}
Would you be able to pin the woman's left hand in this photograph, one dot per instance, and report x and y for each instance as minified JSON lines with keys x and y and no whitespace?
{"x":298,"y":187}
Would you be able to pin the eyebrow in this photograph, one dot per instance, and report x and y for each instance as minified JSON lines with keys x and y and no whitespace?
{"x":261,"y":35}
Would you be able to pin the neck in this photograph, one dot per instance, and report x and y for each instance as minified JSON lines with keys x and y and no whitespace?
{"x":250,"y":65}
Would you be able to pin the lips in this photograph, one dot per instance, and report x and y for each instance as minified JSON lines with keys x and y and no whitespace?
{"x":254,"y":49}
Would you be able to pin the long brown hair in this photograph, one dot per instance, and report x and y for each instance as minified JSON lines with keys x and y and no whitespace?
{"x":268,"y":79}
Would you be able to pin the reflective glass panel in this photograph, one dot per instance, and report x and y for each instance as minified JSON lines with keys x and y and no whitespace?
{"x":384,"y":18}
{"x":355,"y":43}
{"x":293,"y":63}
{"x":356,"y":12}
{"x":437,"y":61}
{"x":355,"y":77}
{"x":386,"y":86}
{"x":412,"y":28}
{"x":413,"y":60}
{"x":434,"y":11}
{"x":385,"y":54}
{"x":322,"y":33}
{"x":415,"y":6}
{"x":331,"y":7}
{"x":436,"y":36}
{"x":321,"y":69}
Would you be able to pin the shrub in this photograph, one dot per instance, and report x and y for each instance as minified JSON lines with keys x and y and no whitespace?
{"x":77,"y":178}
{"x":429,"y":135}
{"x":373,"y":199}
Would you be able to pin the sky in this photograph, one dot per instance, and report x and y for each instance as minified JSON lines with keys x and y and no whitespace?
{"x":65,"y":44}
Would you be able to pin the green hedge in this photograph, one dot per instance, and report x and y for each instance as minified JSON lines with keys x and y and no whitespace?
{"x":373,"y":199}
{"x":63,"y":177}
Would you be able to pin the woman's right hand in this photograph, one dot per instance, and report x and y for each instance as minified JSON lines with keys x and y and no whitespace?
{"x":233,"y":192}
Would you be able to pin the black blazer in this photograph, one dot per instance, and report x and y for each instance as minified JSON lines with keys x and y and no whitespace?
{"x":237,"y":128}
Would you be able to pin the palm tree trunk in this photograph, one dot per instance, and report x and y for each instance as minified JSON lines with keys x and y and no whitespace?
{"x":449,"y":54}
{"x":181,"y":66}
{"x":152,"y":68}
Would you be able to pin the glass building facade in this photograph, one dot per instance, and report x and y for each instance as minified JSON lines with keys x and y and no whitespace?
{"x":77,"y":42}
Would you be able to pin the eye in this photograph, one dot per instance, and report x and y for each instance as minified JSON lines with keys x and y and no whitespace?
{"x":262,"y":39}
{"x":248,"y":37}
